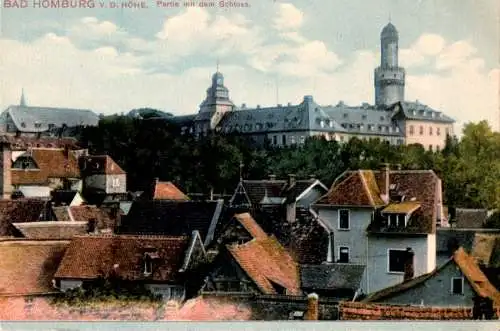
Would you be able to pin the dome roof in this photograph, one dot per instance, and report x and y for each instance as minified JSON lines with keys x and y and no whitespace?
{"x":389,"y":31}
{"x":217,"y":76}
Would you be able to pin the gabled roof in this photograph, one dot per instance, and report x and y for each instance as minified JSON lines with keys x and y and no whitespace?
{"x":266,"y":262}
{"x":86,"y":213}
{"x":173,"y":218}
{"x":51,"y":229}
{"x":469,"y":268}
{"x":168,"y":191}
{"x":470,"y":218}
{"x":251,"y":225}
{"x":20,"y":211}
{"x":99,"y":165}
{"x":354,"y":188}
{"x":486,"y":249}
{"x":89,"y":257}
{"x":39,"y":119}
{"x":331,"y":276}
{"x":28,"y":266}
{"x":51,"y":162}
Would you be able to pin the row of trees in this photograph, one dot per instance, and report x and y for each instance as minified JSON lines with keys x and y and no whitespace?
{"x":469,"y":168}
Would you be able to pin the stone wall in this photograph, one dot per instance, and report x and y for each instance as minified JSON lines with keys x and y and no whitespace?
{"x":362,"y":311}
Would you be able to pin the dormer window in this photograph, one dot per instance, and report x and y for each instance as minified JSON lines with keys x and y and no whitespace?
{"x":149,"y":257}
{"x":397,"y":220}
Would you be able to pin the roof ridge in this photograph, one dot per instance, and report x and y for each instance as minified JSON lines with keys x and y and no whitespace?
{"x":365,"y":185}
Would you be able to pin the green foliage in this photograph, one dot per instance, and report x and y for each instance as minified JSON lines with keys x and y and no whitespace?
{"x":469,"y":168}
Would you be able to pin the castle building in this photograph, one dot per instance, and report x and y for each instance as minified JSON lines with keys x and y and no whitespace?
{"x":391,"y":119}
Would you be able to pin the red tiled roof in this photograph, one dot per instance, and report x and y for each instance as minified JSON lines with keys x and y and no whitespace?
{"x":486,"y":248}
{"x":28,"y":266}
{"x":357,"y":188}
{"x":52,"y":163}
{"x":266,"y":262}
{"x":251,"y":226}
{"x":477,"y":279}
{"x":19,"y":211}
{"x":168,"y":191}
{"x":89,"y":257}
{"x":86,"y":213}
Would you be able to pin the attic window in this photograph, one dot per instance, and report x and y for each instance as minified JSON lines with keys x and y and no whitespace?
{"x":363,"y":117}
{"x":37,"y":125}
{"x":346,"y":115}
{"x":457,"y":285}
{"x":23,"y":125}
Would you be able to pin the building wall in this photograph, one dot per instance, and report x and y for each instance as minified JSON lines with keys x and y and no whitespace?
{"x":6,"y":123}
{"x":355,"y":238}
{"x":431,"y":252}
{"x":168,"y":292}
{"x":95,"y":181}
{"x":436,"y":291}
{"x":68,"y":284}
{"x":427,"y":139}
{"x":377,"y":274}
{"x":121,"y":181}
{"x":5,"y":173}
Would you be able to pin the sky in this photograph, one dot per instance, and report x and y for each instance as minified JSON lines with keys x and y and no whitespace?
{"x":112,"y":60}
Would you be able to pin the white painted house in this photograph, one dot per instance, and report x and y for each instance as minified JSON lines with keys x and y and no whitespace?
{"x":385,"y":220}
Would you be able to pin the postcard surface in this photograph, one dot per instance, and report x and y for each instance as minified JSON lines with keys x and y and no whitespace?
{"x":243,"y":160}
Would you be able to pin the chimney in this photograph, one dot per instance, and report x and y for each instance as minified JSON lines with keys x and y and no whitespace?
{"x":384,"y":188}
{"x":291,"y":180}
{"x":272,"y":177}
{"x":330,"y":255}
{"x":312,"y":176}
{"x":5,"y":172}
{"x":408,"y":265}
{"x":312,"y":307}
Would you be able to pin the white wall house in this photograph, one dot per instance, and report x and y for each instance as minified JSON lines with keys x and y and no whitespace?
{"x":385,"y":220}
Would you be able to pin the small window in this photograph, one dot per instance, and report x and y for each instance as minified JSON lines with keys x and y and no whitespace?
{"x":430,"y":130}
{"x":148,"y":266}
{"x":363,"y":117}
{"x":292,"y":139}
{"x":23,"y":124}
{"x":322,"y":123}
{"x":396,"y":260}
{"x":302,"y":139}
{"x":430,"y":148}
{"x":438,"y":131}
{"x":382,"y":118}
{"x":346,"y":115}
{"x":343,"y":254}
{"x":421,"y":129}
{"x":275,"y":140}
{"x":344,"y":219}
{"x":457,"y":285}
{"x":283,"y":140}
{"x":447,"y":131}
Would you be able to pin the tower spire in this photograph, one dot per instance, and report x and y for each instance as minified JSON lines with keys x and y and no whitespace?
{"x":217,"y":64}
{"x":22,"y":102}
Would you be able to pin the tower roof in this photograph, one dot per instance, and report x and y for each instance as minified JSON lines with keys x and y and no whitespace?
{"x":216,"y":76}
{"x":389,"y":31}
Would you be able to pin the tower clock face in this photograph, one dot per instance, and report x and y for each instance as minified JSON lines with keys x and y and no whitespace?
{"x":219,"y":81}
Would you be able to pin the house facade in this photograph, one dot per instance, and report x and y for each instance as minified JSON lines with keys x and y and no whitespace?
{"x":457,"y":283}
{"x":103,"y":174}
{"x":164,"y":265}
{"x":385,"y":220}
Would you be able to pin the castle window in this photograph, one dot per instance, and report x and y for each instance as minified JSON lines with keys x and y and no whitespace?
{"x":363,"y":117}
{"x":438,"y":131}
{"x":322,"y":123}
{"x":382,"y":118}
{"x":346,"y":115}
{"x":23,"y":124}
{"x":283,"y":140}
{"x":275,"y":140}
{"x":430,"y":130}
{"x":421,"y":129}
{"x":430,"y":148}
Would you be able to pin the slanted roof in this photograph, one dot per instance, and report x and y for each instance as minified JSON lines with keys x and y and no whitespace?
{"x":89,"y":257}
{"x":63,"y":197}
{"x":19,"y":211}
{"x":469,"y":268}
{"x":22,"y":143}
{"x":251,"y":225}
{"x":86,"y":213}
{"x":354,"y":188}
{"x":39,"y":119}
{"x":51,"y":162}
{"x":331,"y":276}
{"x":28,"y":266}
{"x":99,"y":165}
{"x":266,"y":262}
{"x":470,"y":218}
{"x":174,"y":218}
{"x":168,"y":191}
{"x":271,"y":191}
{"x":420,"y":112}
{"x":405,"y":207}
{"x":486,"y":249}
{"x":51,"y":229}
